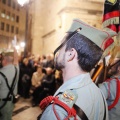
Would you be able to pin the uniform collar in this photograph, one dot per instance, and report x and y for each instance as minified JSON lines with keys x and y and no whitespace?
{"x":6,"y":67}
{"x":75,"y":82}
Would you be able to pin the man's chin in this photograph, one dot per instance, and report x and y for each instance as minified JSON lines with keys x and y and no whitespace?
{"x":57,"y":67}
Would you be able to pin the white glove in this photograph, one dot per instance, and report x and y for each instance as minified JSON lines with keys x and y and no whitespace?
{"x":14,"y":42}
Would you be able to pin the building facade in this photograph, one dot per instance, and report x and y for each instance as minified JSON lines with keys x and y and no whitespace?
{"x":47,"y":21}
{"x":12,"y":23}
{"x":51,"y":19}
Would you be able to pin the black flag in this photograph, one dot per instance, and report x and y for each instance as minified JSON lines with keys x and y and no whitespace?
{"x":111,"y":17}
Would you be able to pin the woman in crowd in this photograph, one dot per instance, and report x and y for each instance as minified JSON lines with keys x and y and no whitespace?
{"x":36,"y":82}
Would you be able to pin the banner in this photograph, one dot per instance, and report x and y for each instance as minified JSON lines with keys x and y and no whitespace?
{"x":111,"y":20}
{"x":111,"y":17}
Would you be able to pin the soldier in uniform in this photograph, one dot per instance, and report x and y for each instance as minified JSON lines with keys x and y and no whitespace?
{"x":78,"y":98}
{"x":111,"y":89}
{"x":9,"y":62}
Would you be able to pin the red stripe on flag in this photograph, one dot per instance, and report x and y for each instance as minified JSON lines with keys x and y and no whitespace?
{"x":110,"y":15}
{"x":113,"y":27}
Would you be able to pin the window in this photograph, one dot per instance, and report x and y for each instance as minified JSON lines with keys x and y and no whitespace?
{"x":3,"y":13}
{"x":13,"y":5}
{"x":17,"y":19}
{"x":18,"y":7}
{"x":8,"y":15}
{"x":9,"y":2}
{"x":4,"y":1}
{"x":2,"y":25}
{"x":7,"y":27}
{"x":12,"y":29}
{"x":17,"y":30}
{"x":13,"y":17}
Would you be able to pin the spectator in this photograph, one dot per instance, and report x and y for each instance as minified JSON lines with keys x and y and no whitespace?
{"x":58,"y":78}
{"x":36,"y":84}
{"x":47,"y":87}
{"x":26,"y":72}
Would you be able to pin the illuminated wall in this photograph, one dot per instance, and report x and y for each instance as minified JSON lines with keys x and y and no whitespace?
{"x":51,"y":18}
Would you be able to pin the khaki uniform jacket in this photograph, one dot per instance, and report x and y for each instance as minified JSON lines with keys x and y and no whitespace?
{"x":114,"y":113}
{"x":90,"y":99}
{"x":9,"y":72}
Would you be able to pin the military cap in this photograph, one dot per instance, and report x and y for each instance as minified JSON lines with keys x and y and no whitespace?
{"x":1,"y":51}
{"x":8,"y":53}
{"x":95,"y":35}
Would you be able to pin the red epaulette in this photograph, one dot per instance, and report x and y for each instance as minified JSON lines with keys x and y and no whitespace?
{"x":55,"y":101}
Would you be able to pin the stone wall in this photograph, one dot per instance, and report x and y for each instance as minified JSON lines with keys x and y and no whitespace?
{"x":51,"y":18}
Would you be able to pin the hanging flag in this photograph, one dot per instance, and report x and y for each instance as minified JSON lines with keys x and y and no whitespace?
{"x":111,"y":21}
{"x":111,"y":17}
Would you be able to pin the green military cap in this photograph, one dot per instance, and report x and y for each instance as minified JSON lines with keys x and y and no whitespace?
{"x":8,"y":53}
{"x":1,"y":51}
{"x":95,"y":35}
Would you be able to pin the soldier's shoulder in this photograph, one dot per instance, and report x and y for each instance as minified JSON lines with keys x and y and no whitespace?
{"x":68,"y":97}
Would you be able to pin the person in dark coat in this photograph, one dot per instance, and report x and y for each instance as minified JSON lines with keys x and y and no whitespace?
{"x":25,"y":78}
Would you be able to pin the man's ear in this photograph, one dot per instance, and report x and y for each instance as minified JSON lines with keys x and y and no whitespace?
{"x":71,"y":54}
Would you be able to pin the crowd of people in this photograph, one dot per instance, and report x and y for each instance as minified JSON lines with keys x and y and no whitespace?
{"x":28,"y":77}
{"x":38,"y":77}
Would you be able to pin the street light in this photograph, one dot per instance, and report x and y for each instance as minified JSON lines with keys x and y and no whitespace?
{"x":17,"y":47}
{"x":26,"y":3}
{"x":22,"y":44}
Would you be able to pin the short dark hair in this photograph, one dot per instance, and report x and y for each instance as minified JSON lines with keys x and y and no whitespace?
{"x":88,"y":52}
